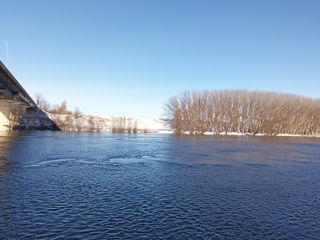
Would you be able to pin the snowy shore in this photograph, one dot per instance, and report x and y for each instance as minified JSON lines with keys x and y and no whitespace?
{"x":132,"y":125}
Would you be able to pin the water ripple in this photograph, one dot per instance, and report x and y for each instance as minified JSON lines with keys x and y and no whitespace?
{"x":98,"y":186}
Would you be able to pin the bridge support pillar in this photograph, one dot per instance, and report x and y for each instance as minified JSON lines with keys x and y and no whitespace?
{"x":11,"y":113}
{"x":5,"y":109}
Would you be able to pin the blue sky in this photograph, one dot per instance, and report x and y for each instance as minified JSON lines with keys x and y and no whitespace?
{"x":112,"y":58}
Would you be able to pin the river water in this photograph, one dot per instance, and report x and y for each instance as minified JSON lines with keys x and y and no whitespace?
{"x":56,"y":185}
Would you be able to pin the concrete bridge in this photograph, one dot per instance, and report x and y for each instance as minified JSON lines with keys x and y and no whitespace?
{"x":17,"y":108}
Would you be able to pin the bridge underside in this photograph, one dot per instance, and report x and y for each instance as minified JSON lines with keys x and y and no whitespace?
{"x":17,"y":108}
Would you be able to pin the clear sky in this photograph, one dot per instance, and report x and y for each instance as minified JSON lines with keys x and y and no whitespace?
{"x":112,"y":58}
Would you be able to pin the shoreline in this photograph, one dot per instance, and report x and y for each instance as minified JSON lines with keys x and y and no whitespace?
{"x":168,"y":132}
{"x":250,"y":135}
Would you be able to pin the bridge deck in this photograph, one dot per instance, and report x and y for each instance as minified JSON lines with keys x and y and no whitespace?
{"x":10,"y":88}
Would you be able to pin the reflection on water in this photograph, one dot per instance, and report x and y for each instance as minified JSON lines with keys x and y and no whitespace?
{"x":6,"y":141}
{"x":56,"y":185}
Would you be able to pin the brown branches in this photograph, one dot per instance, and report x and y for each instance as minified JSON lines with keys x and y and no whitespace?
{"x":124,"y":125}
{"x":243,"y":111}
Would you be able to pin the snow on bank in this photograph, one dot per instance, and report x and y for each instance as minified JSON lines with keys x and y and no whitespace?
{"x":68,"y":122}
{"x":256,"y":135}
{"x":146,"y":125}
{"x":152,"y":124}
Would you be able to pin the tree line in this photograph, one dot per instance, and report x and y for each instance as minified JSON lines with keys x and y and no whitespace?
{"x":241,"y":111}
{"x":124,"y":125}
{"x":68,"y":120}
{"x":43,"y":104}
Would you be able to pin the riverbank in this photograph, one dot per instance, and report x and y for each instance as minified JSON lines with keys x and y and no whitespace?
{"x":87,"y":123}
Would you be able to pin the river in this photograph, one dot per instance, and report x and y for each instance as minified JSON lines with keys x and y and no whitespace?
{"x":57,"y":185}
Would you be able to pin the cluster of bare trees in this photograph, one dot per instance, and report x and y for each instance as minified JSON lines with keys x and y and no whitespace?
{"x":75,"y":121}
{"x":124,"y":125}
{"x":83,"y":123}
{"x":248,"y":112}
{"x":54,"y":109}
{"x":65,"y":119}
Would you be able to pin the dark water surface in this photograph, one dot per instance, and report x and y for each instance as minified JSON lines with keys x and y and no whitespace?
{"x":56,"y":185}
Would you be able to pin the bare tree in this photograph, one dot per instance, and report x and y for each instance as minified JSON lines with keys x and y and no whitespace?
{"x":77,"y":114}
{"x":243,"y":112}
